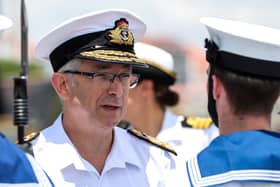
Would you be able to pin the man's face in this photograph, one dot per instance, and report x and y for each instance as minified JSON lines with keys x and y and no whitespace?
{"x":103,"y":101}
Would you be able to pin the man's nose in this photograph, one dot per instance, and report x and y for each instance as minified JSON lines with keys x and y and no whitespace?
{"x":116,"y":87}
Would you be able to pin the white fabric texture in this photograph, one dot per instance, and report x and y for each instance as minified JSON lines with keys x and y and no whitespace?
{"x":131,"y":162}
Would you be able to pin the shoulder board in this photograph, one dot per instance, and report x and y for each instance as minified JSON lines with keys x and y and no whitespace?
{"x":152,"y":140}
{"x":28,"y":138}
{"x":26,"y":146}
{"x":196,"y":122}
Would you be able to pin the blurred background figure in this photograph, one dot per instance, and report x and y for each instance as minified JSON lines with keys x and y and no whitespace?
{"x":149,"y":102}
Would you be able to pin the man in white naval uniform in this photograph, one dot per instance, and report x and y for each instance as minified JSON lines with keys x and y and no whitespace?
{"x":92,"y":57}
{"x":243,"y":86}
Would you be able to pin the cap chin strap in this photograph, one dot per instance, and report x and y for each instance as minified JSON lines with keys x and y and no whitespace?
{"x":211,"y":101}
{"x":211,"y":55}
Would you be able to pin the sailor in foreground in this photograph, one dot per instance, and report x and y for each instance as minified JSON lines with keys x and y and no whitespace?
{"x":152,"y":98}
{"x":243,"y":86}
{"x":16,"y":167}
{"x":92,"y":57}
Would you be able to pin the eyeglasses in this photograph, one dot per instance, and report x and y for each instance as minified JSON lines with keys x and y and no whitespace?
{"x":127,"y":79}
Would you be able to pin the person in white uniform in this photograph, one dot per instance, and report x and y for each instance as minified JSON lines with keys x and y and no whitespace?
{"x":92,"y":57}
{"x":243,"y":86}
{"x":152,"y":98}
{"x":17,"y":167}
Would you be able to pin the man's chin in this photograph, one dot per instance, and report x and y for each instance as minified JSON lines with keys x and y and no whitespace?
{"x":112,"y":122}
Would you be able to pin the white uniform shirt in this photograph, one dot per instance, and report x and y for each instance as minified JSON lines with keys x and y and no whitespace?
{"x":186,"y":141}
{"x":131,"y":162}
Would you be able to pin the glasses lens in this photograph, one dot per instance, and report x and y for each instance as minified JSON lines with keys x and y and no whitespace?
{"x":103,"y":76}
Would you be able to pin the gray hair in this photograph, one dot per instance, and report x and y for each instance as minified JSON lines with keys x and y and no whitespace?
{"x":73,"y":64}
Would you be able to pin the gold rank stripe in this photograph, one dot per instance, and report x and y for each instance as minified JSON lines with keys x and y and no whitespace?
{"x":112,"y":55}
{"x":28,"y":138}
{"x":198,"y":122}
{"x":152,"y":140}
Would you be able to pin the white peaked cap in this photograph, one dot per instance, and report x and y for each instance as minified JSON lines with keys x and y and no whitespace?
{"x":158,"y":60}
{"x":156,"y":57}
{"x":5,"y":22}
{"x":249,"y":41}
{"x":87,"y":24}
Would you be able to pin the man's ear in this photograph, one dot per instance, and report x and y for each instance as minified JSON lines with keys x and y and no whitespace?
{"x":61,"y":85}
{"x":217,"y":87}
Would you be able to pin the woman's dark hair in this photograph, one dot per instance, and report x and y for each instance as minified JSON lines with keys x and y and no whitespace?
{"x":164,"y":95}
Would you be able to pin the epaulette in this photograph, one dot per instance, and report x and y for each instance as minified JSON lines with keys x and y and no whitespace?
{"x":152,"y":140}
{"x":28,"y":138}
{"x":26,"y":146}
{"x":196,"y":122}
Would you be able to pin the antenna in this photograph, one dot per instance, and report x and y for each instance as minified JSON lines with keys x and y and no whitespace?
{"x":20,"y":83}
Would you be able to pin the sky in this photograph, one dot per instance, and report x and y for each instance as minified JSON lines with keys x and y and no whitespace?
{"x":176,"y":19}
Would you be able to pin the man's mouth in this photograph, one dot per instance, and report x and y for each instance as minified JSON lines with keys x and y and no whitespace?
{"x":111,"y":107}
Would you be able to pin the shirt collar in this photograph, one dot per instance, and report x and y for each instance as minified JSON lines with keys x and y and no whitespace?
{"x":123,"y":151}
{"x":55,"y":140}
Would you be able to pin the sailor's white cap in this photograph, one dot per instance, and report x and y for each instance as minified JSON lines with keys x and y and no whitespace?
{"x":243,"y":47}
{"x":161,"y":63}
{"x":5,"y":22}
{"x":106,"y":35}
